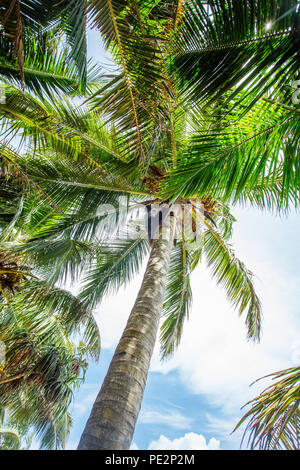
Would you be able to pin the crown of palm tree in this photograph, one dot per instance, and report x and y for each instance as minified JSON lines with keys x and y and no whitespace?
{"x":69,"y":226}
{"x":103,"y":170}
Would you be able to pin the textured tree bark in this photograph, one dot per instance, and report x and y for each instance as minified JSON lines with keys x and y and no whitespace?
{"x":113,"y":417}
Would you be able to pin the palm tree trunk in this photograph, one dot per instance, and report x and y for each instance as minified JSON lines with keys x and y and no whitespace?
{"x":113,"y":417}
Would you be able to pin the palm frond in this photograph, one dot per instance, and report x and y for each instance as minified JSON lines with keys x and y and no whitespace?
{"x":226,"y":159}
{"x":139,"y":96}
{"x":44,"y":255}
{"x":177,"y":302}
{"x":9,"y":438}
{"x":20,"y":20}
{"x":274,"y":418}
{"x":106,"y":15}
{"x":268,"y":192}
{"x":67,"y":309}
{"x":232,"y":45}
{"x":73,"y":21}
{"x":236,"y":279}
{"x":116,"y":264}
{"x":11,"y":23}
{"x":42,"y":364}
{"x":56,"y":123}
{"x":47,"y":68}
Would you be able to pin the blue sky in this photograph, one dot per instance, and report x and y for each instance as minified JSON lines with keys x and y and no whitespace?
{"x":194,"y":400}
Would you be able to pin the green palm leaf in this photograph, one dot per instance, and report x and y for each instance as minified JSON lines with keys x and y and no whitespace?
{"x":178,"y":299}
{"x":21,"y":20}
{"x":236,"y":279}
{"x":236,"y":45}
{"x":228,"y":159}
{"x":273,"y":419}
{"x":47,"y":69}
{"x":116,"y":264}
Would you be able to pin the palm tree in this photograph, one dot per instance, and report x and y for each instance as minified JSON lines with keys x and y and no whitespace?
{"x":273,"y":419}
{"x":122,"y":390}
{"x":36,"y":318}
{"x":74,"y":238}
{"x":79,"y":240}
{"x":168,"y":143}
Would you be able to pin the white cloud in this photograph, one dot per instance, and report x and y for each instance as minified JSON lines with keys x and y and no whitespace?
{"x":174,"y":419}
{"x":222,"y":427}
{"x":190,"y":441}
{"x":86,"y":397}
{"x":295,"y":356}
{"x":219,"y":426}
{"x":134,"y":446}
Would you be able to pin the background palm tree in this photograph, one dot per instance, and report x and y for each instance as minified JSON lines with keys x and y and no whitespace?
{"x":43,"y":360}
